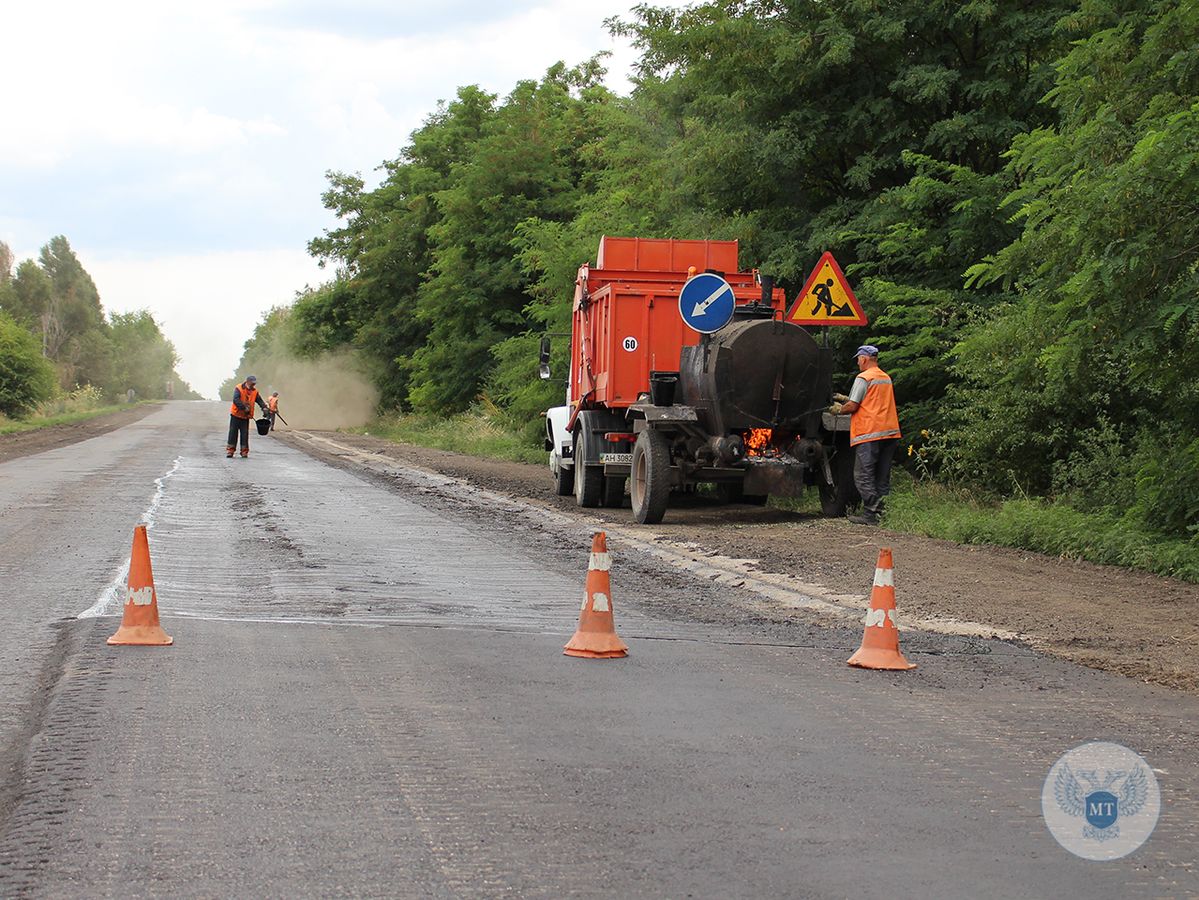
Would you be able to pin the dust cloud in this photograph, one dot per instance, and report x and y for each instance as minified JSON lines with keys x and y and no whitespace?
{"x":321,"y":394}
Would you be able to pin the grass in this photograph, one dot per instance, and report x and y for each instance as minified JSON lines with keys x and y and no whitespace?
{"x":914,"y":507}
{"x":1055,"y":529}
{"x":11,"y":426}
{"x":472,"y":433}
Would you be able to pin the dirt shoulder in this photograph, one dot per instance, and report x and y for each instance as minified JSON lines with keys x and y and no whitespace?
{"x":1142,"y":626}
{"x":26,"y":443}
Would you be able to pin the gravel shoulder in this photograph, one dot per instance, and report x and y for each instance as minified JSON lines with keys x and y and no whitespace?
{"x":37,"y":440}
{"x":1117,"y":620}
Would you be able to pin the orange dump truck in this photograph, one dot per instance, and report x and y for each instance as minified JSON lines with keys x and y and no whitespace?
{"x":683,"y":371}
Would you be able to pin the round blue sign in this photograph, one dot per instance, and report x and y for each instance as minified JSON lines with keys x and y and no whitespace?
{"x":706,"y":303}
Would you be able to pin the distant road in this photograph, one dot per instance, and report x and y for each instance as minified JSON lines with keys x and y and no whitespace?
{"x":367,"y":697}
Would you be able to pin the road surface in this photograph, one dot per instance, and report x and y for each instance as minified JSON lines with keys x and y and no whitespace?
{"x":367,"y":697}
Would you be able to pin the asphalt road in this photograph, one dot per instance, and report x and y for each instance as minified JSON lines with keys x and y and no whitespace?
{"x":367,"y":697}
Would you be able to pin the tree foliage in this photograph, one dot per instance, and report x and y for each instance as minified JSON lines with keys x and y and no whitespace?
{"x":1010,"y":186}
{"x":142,"y":358}
{"x":1084,"y":378}
{"x":57,"y":303}
{"x":26,"y":378}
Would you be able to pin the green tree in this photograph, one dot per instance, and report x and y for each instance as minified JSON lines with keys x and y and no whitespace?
{"x":57,"y":298}
{"x":7,"y":290}
{"x":873,"y":130}
{"x":627,"y":185}
{"x":524,"y":165}
{"x":26,"y":377}
{"x":143,"y":358}
{"x":382,"y":249}
{"x":1083,"y":383}
{"x":30,"y":300}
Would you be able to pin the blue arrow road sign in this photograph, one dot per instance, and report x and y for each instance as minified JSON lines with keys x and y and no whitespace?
{"x":706,"y":303}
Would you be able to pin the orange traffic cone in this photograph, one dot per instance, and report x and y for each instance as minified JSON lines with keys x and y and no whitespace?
{"x":880,"y":643}
{"x":596,"y":636}
{"x":140,"y":625}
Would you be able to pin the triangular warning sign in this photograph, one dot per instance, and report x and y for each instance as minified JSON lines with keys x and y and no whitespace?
{"x":826,"y":298}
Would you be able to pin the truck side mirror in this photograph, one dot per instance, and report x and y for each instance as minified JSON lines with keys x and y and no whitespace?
{"x":544,"y":370}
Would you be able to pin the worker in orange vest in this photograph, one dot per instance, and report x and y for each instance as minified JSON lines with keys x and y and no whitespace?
{"x":245,"y":395}
{"x":272,"y":405}
{"x":873,"y":433}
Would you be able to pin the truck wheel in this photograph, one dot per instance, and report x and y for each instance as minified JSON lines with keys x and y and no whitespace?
{"x":564,"y":480}
{"x":649,"y":485}
{"x":588,"y":480}
{"x":614,"y":491}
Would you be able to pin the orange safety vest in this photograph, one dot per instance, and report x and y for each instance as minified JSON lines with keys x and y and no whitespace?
{"x":272,"y":403}
{"x":875,"y":419}
{"x":248,"y":396}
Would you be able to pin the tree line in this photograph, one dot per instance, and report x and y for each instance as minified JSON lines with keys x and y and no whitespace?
{"x":55,"y":337}
{"x":1011,"y":187}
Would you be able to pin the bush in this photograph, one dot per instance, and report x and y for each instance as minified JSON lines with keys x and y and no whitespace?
{"x":1167,"y":483}
{"x":81,"y":400}
{"x":26,"y":377}
{"x":482,"y":431}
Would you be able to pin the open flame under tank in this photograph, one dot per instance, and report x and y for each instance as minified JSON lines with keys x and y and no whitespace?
{"x":760,"y":373}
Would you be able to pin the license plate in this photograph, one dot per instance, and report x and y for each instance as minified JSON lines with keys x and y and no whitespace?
{"x":616,"y":457}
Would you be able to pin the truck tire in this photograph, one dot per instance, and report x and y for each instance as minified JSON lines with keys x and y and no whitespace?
{"x":588,"y":480}
{"x":649,"y":484}
{"x":614,"y":491}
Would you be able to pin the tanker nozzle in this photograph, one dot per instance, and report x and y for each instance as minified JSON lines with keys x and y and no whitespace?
{"x":727,"y":451}
{"x":808,"y":451}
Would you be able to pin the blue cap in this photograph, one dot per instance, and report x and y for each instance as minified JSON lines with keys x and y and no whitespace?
{"x":252,"y":378}
{"x":866,"y":350}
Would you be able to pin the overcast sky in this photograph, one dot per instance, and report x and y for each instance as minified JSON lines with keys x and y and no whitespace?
{"x":182,"y":148}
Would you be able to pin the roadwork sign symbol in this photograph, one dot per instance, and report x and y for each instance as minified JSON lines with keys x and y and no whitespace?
{"x":827,"y":298}
{"x":706,"y":303}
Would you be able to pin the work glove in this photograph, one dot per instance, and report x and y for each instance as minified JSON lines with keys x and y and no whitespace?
{"x":835,"y":409}
{"x":840,"y":398}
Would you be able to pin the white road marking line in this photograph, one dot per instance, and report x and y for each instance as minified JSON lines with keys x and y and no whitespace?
{"x":117,"y":587}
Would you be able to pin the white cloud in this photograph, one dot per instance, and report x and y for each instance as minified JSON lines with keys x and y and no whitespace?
{"x":186,"y":145}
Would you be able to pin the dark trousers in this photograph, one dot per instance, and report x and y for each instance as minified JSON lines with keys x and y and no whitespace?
{"x":239,"y":427}
{"x":872,"y":473}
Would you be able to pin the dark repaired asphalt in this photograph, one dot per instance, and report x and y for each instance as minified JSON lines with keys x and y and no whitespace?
{"x":372,"y":701}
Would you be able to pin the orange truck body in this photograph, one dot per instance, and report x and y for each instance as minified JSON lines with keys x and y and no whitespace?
{"x":626,"y":320}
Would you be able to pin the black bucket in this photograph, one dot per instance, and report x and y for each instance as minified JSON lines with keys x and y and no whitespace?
{"x":661,"y":387}
{"x":263,"y":424}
